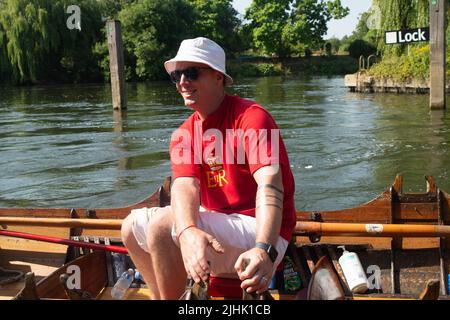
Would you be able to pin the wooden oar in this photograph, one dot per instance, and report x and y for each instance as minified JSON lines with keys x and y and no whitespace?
{"x":301,"y":228}
{"x":107,"y":224}
{"x":74,"y":243}
{"x":305,"y":228}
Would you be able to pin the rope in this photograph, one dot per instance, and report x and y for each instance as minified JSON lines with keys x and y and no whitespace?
{"x":4,"y":274}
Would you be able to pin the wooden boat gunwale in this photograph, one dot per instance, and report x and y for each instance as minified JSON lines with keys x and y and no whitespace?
{"x":388,"y":207}
{"x":391,"y":207}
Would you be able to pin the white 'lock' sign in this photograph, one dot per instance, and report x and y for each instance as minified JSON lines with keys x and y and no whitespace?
{"x":407,"y":36}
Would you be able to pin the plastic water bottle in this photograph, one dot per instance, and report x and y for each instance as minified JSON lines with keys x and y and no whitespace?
{"x":448,"y":283}
{"x":353,"y":271}
{"x":122,"y":285}
{"x":119,"y":264}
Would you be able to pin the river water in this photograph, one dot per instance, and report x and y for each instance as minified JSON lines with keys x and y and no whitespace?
{"x":62,"y":146}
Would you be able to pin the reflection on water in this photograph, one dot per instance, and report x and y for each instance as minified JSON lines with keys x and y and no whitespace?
{"x":63,"y":146}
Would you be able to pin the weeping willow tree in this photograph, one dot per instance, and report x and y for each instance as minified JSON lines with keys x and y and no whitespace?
{"x":27,"y":37}
{"x":36,"y":45}
{"x":404,"y":62}
{"x":4,"y":63}
{"x":400,"y":14}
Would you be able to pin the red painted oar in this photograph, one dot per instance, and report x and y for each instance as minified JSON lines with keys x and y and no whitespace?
{"x":108,"y":224}
{"x":67,"y":242}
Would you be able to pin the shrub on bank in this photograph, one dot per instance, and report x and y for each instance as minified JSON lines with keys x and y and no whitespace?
{"x":334,"y":65}
{"x":414,"y":65}
{"x":360,"y":47}
{"x":243,"y":70}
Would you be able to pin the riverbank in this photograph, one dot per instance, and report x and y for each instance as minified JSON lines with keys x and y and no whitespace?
{"x":246,"y":67}
{"x":408,"y":73}
{"x":251,"y":67}
{"x":364,"y":82}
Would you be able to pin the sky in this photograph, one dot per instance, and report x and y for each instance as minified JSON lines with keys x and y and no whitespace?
{"x":336,"y":28}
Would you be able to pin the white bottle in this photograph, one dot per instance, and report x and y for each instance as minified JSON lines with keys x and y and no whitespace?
{"x":122,"y":284}
{"x":353,"y":271}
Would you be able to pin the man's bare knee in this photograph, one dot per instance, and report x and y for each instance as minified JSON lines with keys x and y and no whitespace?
{"x":126,"y":230}
{"x":159,"y":231}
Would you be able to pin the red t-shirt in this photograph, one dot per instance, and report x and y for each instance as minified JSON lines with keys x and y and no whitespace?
{"x":224,"y":151}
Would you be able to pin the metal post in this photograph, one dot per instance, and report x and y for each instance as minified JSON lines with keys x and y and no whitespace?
{"x":116,"y":64}
{"x":437,"y":53}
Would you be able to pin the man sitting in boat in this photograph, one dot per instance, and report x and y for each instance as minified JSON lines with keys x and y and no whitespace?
{"x":232,"y":208}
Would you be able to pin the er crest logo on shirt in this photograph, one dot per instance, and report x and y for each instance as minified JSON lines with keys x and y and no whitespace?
{"x":216,"y":175}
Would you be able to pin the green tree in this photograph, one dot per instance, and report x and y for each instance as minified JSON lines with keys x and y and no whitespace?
{"x":361,"y":47}
{"x":362,"y":32}
{"x":217,"y":20}
{"x":111,"y":8}
{"x":75,"y":54}
{"x":268,"y":21}
{"x":335,"y":44}
{"x":400,"y":14}
{"x":37,"y":45}
{"x":309,"y":18}
{"x":27,"y":37}
{"x":151,"y":35}
{"x":5,"y":66}
{"x":279,"y":27}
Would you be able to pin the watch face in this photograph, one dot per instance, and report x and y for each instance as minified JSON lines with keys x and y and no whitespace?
{"x":273,"y":254}
{"x":271,"y":251}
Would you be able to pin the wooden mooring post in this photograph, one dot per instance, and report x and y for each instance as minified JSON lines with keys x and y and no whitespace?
{"x":116,"y":64}
{"x":437,"y":53}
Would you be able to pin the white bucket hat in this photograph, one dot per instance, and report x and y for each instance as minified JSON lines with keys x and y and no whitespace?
{"x":202,"y":50}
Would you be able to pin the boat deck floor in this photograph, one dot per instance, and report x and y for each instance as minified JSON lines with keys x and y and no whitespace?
{"x":42,"y":264}
{"x":131,"y":294}
{"x":143,"y":294}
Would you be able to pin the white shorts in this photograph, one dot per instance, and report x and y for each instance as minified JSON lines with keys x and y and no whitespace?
{"x":235,"y":232}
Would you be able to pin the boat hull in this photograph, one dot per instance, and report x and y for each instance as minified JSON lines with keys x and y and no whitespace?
{"x":400,"y":266}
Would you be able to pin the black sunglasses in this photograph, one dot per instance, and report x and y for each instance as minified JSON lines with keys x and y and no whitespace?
{"x":190,"y":73}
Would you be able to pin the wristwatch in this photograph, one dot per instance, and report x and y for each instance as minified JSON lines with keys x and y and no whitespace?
{"x":271,"y":251}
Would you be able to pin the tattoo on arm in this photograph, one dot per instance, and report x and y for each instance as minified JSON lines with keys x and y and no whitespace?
{"x":274,"y":199}
{"x":271,"y":186}
{"x":267,"y":195}
{"x":268,"y":205}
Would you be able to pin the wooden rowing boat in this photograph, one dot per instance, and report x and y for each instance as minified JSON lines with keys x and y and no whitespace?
{"x":24,"y":255}
{"x":399,"y":265}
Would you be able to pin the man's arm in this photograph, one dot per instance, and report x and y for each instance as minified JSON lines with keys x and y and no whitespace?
{"x":269,"y":211}
{"x":269,"y":203}
{"x":185,"y":202}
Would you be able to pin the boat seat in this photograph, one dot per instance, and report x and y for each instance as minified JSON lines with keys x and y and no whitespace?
{"x":131,"y":294}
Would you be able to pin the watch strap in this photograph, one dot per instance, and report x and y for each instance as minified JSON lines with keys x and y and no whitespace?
{"x":271,"y":251}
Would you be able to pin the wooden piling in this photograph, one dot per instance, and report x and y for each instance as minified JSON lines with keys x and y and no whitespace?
{"x":116,"y":64}
{"x":437,"y":53}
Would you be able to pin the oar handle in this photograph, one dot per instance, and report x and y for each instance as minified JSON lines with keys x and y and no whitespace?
{"x":304,"y":228}
{"x":108,"y":224}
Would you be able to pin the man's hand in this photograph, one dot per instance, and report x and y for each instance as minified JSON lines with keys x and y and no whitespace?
{"x":254,"y":269}
{"x":193,"y":244}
